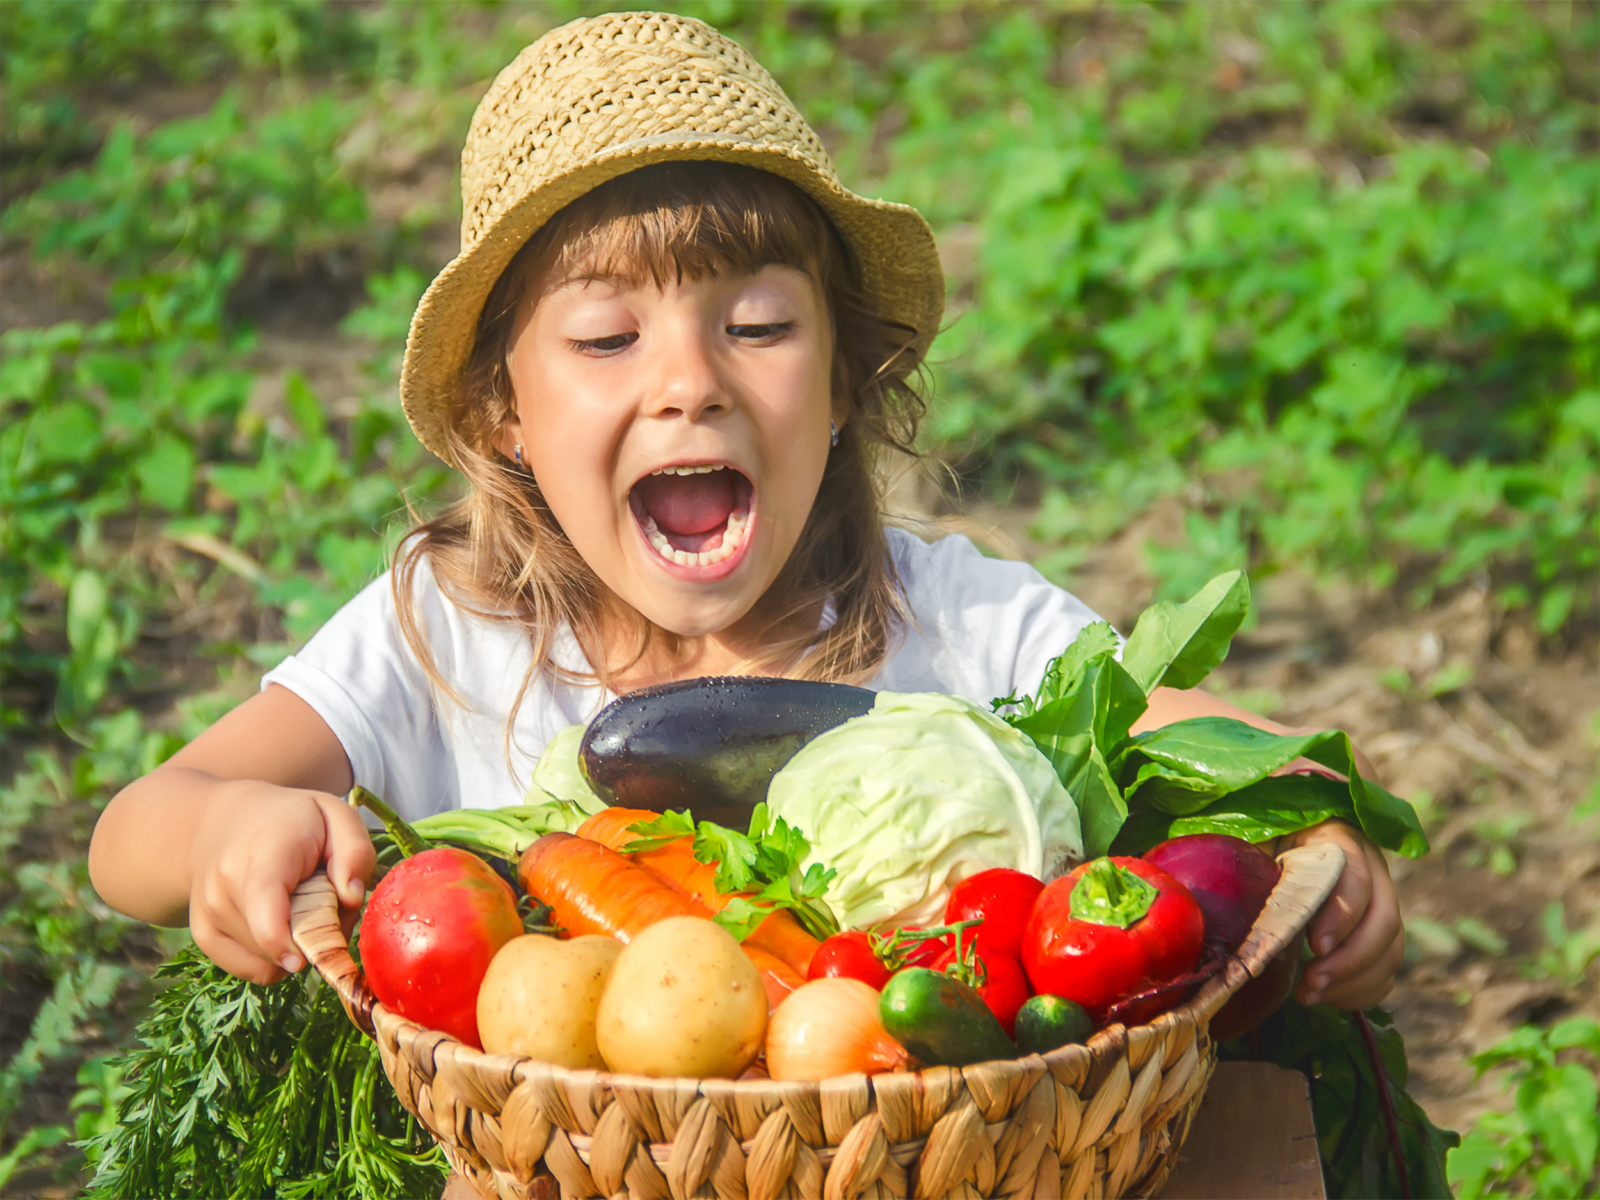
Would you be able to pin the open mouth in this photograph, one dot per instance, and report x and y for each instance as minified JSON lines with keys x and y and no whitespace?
{"x":695,"y":515}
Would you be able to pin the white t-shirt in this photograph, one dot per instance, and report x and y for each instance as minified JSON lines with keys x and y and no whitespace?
{"x":980,"y":628}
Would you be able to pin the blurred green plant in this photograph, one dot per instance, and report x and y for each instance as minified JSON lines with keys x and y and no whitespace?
{"x":1547,"y":1144}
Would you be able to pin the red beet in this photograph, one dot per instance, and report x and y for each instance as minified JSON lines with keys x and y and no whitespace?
{"x":429,"y":931}
{"x":1231,"y":880}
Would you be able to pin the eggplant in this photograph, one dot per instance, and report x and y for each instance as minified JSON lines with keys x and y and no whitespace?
{"x":709,"y":745}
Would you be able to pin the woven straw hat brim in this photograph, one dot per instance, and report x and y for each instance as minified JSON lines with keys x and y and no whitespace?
{"x":739,"y":115}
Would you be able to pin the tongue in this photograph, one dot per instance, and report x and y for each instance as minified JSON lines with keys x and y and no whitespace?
{"x":688,"y":504}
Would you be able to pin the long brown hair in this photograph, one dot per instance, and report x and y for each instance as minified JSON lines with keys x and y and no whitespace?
{"x":499,"y":551}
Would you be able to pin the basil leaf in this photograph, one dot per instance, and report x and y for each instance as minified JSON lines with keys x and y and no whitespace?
{"x":1177,"y":645}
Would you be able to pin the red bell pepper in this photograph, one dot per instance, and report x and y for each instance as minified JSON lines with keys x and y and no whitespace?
{"x":1112,"y":928}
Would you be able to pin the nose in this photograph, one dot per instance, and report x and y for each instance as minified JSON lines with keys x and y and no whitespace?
{"x":688,"y":382}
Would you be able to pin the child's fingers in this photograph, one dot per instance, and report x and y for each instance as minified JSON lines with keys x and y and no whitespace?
{"x":227,"y":953}
{"x":1376,"y":942}
{"x":1344,"y":910}
{"x":1370,"y":985}
{"x":266,"y":918}
{"x":348,"y":851}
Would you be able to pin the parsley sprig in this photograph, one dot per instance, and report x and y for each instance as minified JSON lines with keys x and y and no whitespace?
{"x":762,"y":870}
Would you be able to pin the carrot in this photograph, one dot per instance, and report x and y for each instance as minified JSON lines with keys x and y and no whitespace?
{"x":593,"y":889}
{"x":590,"y":888}
{"x":675,"y":864}
{"x":777,"y":976}
{"x":781,"y":936}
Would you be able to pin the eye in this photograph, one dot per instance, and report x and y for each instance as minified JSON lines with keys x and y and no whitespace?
{"x":604,"y":346}
{"x":762,"y":334}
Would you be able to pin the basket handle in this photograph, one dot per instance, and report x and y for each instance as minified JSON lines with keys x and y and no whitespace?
{"x":1309,"y":875}
{"x":314,"y":925}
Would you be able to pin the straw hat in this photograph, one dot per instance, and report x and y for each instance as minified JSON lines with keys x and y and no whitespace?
{"x":606,"y":95}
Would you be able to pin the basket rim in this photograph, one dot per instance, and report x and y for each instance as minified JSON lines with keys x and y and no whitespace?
{"x":1308,"y":876}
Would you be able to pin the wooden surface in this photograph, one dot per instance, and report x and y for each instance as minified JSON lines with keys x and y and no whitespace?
{"x":1253,"y":1139}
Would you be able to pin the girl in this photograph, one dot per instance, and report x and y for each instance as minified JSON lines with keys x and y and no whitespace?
{"x":667,"y":358}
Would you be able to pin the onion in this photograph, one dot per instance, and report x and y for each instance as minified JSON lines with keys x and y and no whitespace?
{"x":830,"y":1027}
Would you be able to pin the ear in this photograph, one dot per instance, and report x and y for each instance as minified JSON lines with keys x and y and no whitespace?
{"x":509,"y":438}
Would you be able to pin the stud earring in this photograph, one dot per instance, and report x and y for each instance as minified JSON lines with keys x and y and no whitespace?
{"x":519,"y":456}
{"x":833,"y":433}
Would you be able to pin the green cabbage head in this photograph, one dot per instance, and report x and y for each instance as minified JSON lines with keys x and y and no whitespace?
{"x":916,"y":795}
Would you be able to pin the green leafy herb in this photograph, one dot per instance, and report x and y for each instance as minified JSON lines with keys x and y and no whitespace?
{"x":663,"y":831}
{"x":236,"y":1090}
{"x":760,"y":869}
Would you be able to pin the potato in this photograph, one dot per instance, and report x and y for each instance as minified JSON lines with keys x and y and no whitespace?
{"x":683,"y":999}
{"x":540,"y":997}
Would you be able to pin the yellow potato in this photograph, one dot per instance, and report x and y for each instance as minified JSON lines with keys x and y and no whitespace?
{"x":540,"y":996}
{"x":683,"y":999}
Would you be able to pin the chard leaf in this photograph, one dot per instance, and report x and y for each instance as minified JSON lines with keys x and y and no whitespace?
{"x":1183,"y":768}
{"x":1094,"y":644}
{"x":1273,"y":807}
{"x":1071,"y":732}
{"x":1178,"y":645}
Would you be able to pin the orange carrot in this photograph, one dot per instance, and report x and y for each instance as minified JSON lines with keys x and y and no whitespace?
{"x":783,"y":937}
{"x":675,"y":864}
{"x":777,"y":976}
{"x":591,"y":888}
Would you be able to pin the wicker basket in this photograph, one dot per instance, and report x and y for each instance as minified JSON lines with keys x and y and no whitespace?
{"x":1101,"y":1120}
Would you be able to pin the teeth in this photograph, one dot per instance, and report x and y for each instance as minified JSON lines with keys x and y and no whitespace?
{"x":702,"y":469}
{"x":732,"y":537}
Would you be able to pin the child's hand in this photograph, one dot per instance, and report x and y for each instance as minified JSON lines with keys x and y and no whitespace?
{"x":252,"y":849}
{"x":1356,"y":935}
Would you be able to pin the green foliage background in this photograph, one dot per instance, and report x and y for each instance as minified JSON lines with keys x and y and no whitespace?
{"x":1326,"y":272}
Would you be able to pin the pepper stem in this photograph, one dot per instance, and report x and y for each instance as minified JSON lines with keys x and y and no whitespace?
{"x":1108,"y":894}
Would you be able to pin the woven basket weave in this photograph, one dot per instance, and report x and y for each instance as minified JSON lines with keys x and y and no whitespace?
{"x":1101,"y":1120}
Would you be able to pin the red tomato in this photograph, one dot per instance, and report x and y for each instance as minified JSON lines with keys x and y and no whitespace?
{"x":1005,"y":987}
{"x":429,"y":931}
{"x":1097,"y":964}
{"x":1003,"y":898}
{"x":849,"y":955}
